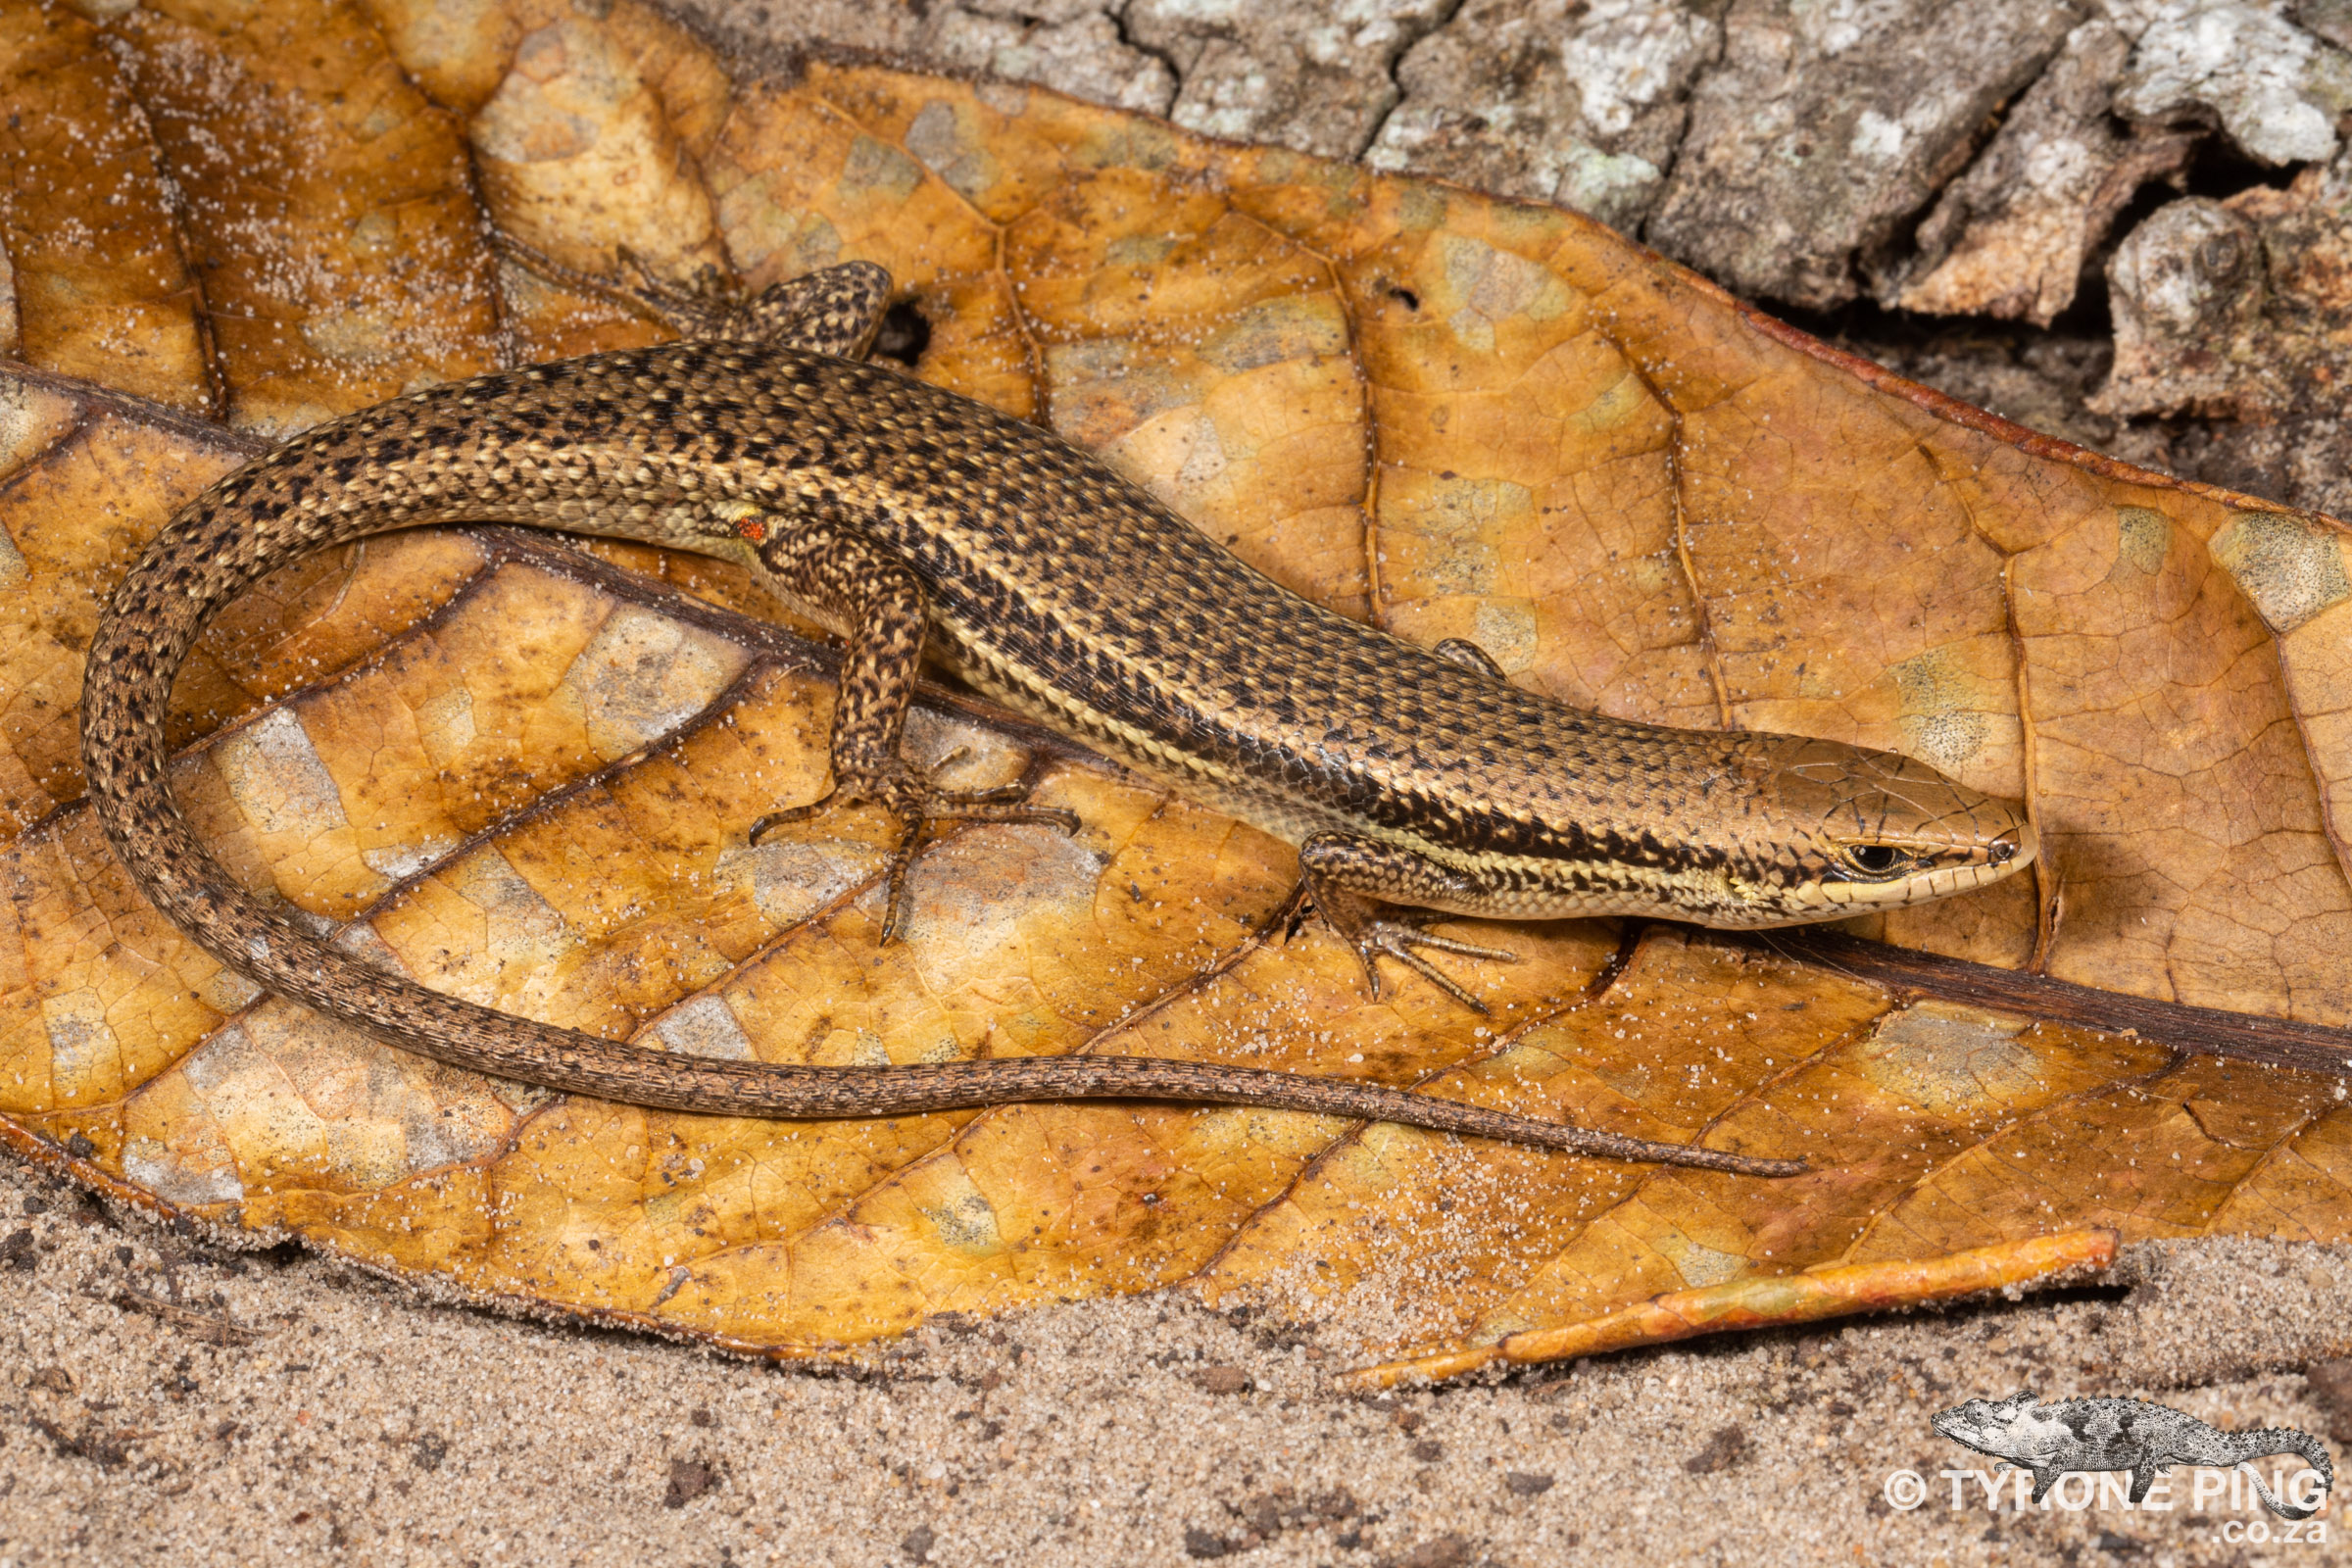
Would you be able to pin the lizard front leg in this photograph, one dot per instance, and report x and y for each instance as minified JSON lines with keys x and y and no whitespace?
{"x":827,"y":567}
{"x":848,"y":581}
{"x":1349,"y":878}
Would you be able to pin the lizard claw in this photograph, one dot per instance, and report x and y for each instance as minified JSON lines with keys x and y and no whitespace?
{"x":1400,"y":940}
{"x":1287,"y":920}
{"x":916,"y":802}
{"x":993,"y":795}
{"x":789,"y":815}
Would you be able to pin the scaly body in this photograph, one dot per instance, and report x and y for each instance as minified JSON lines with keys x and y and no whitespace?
{"x":911,"y":519}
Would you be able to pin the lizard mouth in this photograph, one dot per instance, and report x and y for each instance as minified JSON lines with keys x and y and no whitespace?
{"x":1954,"y":1426}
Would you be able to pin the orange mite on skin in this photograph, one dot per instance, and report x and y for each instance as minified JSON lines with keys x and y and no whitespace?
{"x":754,"y":529}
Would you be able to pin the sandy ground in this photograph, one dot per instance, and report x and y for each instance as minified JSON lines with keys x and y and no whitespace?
{"x":167,"y":1399}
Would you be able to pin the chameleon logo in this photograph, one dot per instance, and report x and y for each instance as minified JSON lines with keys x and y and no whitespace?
{"x":2088,"y":1435}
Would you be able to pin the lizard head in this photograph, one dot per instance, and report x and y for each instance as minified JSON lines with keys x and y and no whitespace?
{"x":1987,"y":1426}
{"x":1855,"y":831}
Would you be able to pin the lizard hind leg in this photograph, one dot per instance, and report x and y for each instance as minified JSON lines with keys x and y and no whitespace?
{"x":1349,"y":878}
{"x":854,"y":583}
{"x":834,"y":310}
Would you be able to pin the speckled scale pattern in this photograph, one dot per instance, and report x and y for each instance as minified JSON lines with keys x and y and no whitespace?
{"x":1056,"y":586}
{"x":2107,"y":1433}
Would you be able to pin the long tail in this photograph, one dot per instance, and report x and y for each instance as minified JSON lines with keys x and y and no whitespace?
{"x":350,"y":478}
{"x":2247,"y":1446}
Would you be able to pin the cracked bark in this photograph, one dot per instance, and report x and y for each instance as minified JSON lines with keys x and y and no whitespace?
{"x":1819,"y":135}
{"x":1553,"y":100}
{"x":2011,"y":237}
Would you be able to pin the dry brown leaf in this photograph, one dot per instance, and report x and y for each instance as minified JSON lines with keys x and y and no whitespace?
{"x":516,"y":772}
{"x":101,"y":288}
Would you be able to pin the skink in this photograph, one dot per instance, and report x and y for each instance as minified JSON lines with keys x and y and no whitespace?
{"x":912,"y":522}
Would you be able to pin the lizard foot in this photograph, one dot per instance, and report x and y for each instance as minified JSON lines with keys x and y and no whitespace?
{"x":1402,"y":938}
{"x":911,"y":797}
{"x":835,"y":310}
{"x":1379,"y":896}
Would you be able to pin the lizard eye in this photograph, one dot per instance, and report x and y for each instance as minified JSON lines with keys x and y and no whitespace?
{"x":1876,"y":860}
